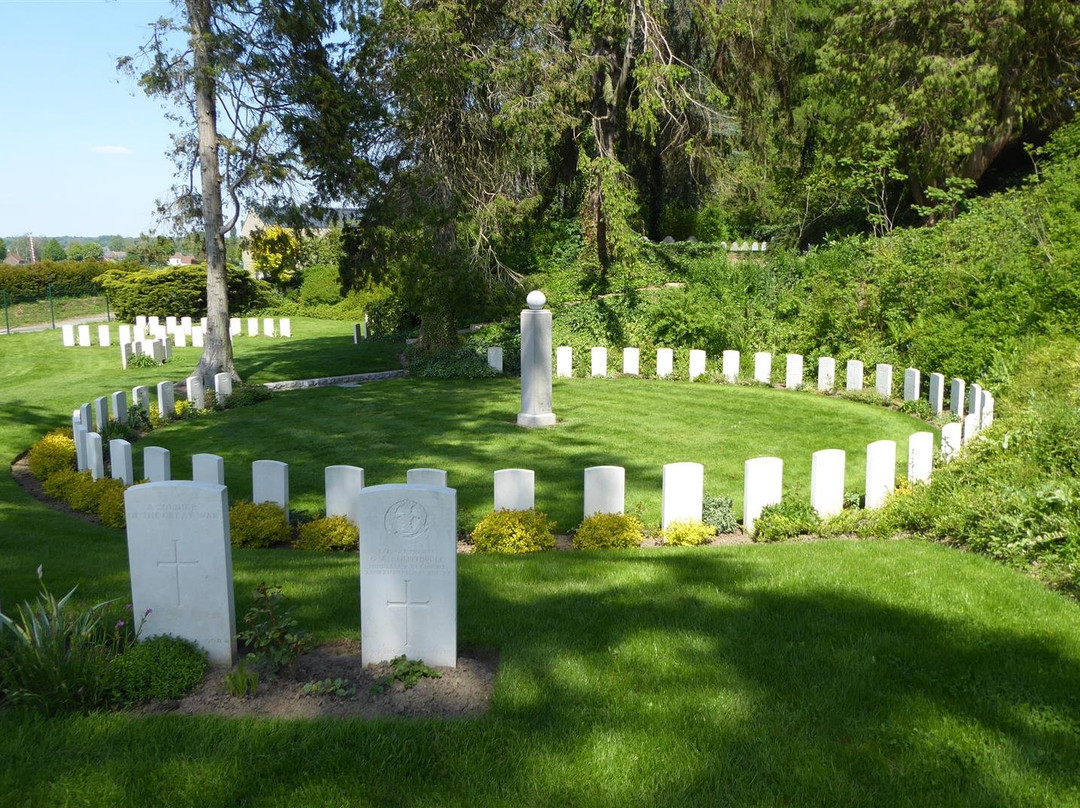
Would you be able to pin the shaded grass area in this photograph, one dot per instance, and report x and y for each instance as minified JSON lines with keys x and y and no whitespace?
{"x":38,"y":312}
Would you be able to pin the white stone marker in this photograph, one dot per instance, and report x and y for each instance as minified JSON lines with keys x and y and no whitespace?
{"x":970,"y":427}
{"x":975,"y":401}
{"x":684,"y":490}
{"x":880,"y":472}
{"x":827,"y":472}
{"x":103,"y":336}
{"x":598,"y":360}
{"x":197,"y":338}
{"x":268,"y":326}
{"x":140,"y":397}
{"x":153,"y":323}
{"x":95,"y":457}
{"x":222,"y":386}
{"x":123,"y":333}
{"x":79,"y":433}
{"x":84,"y":336}
{"x":564,"y":361}
{"x":763,"y":367}
{"x":763,"y":484}
{"x":665,"y":362}
{"x":956,"y":398}
{"x":793,"y":372}
{"x":171,"y":325}
{"x":101,"y":413}
{"x":435,"y":477}
{"x":285,"y":327}
{"x":883,"y":380}
{"x":181,"y":564}
{"x":208,"y":468}
{"x":920,"y":457}
{"x":118,"y":405}
{"x":85,"y":417}
{"x":166,"y":400}
{"x":495,"y":358}
{"x":937,"y":393}
{"x":605,"y":490}
{"x":535,"y":364}
{"x":343,"y":484}
{"x":127,"y":350}
{"x":157,"y":464}
{"x":253,"y":326}
{"x":180,"y":338}
{"x":270,"y":483}
{"x":826,"y":373}
{"x":357,"y":333}
{"x":196,"y":393}
{"x":854,"y":378}
{"x":987,"y":409}
{"x":951,"y":438}
{"x":408,"y":574}
{"x":515,"y":489}
{"x":186,"y":324}
{"x":235,"y":327}
{"x":140,"y":321}
{"x":631,"y":361}
{"x":120,"y":461}
{"x":912,"y":384}
{"x":204,"y":323}
{"x":697,"y":364}
{"x":67,"y":334}
{"x":729,"y":365}
{"x":157,"y":350}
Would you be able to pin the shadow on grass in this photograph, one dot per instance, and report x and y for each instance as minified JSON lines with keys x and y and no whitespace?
{"x":313,"y":357}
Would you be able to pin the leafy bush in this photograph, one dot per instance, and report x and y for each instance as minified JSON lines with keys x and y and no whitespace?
{"x":407,"y":671}
{"x":719,"y":514}
{"x":261,"y":525}
{"x":605,"y":531}
{"x":54,"y":452}
{"x":246,"y":394}
{"x":115,"y":430}
{"x":687,"y":533}
{"x":68,"y":278}
{"x":174,"y":290}
{"x":161,"y":667}
{"x":76,"y":488}
{"x":328,"y":533}
{"x":110,"y":502}
{"x":142,"y":361}
{"x":786,"y":520}
{"x":272,"y":633}
{"x":506,"y":531}
{"x":452,"y":363}
{"x":138,"y":419}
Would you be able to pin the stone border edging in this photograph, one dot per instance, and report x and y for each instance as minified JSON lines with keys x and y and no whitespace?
{"x":330,"y":381}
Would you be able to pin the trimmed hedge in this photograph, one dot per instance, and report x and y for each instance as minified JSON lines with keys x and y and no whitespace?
{"x":68,"y":278}
{"x":514,"y":532}
{"x":176,"y":290}
{"x":257,"y":525}
{"x":609,"y":531}
{"x":328,"y":533}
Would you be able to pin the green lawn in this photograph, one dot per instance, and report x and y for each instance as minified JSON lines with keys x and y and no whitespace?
{"x":831,"y":673}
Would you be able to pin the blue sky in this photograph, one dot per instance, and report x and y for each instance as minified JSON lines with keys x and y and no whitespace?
{"x":82,"y":149}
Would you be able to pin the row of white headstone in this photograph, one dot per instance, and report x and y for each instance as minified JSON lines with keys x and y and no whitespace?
{"x":180,"y":330}
{"x":745,"y":246}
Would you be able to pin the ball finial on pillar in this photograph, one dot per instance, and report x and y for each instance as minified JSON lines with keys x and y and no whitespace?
{"x":536,"y":300}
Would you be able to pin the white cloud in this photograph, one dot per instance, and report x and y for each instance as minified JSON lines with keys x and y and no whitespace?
{"x":111,"y":150}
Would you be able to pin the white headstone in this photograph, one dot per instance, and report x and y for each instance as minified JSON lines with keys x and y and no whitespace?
{"x":987,"y":409}
{"x":684,"y":490}
{"x":605,"y":489}
{"x":180,"y":336}
{"x":140,"y":397}
{"x":956,"y":398}
{"x":755,"y":247}
{"x":103,"y":336}
{"x":171,"y":325}
{"x":140,"y":321}
{"x":157,"y":464}
{"x":970,"y":427}
{"x":208,"y":468}
{"x":268,"y":326}
{"x":186,"y":324}
{"x":951,"y":438}
{"x":408,"y":574}
{"x":826,"y":373}
{"x":118,"y":405}
{"x":253,"y":326}
{"x":181,"y":564}
{"x":123,"y":333}
{"x":343,"y":486}
{"x":564,"y":361}
{"x":285,"y":327}
{"x":235,"y":327}
{"x":883,"y":380}
{"x":854,"y":378}
{"x":166,"y":400}
{"x":937,"y":393}
{"x":67,"y":334}
{"x":729,"y":365}
{"x":196,"y":393}
{"x":153,"y":323}
{"x":631,"y":361}
{"x":127,"y":350}
{"x":920,"y":457}
{"x":84,"y":336}
{"x":157,"y":350}
{"x":222,"y":387}
{"x":197,"y":339}
{"x":100,"y":408}
{"x":120,"y":461}
{"x":495,"y":358}
{"x":763,"y":484}
{"x":697,"y":364}
{"x":270,"y":483}
{"x":85,"y":416}
{"x":138,"y":334}
{"x":665,"y":362}
{"x":95,"y":456}
{"x":975,"y":401}
{"x":763,"y":367}
{"x":880,"y":472}
{"x":599,"y":361}
{"x":793,"y":372}
{"x":827,"y":473}
{"x":204,"y":323}
{"x":436,"y":477}
{"x":515,"y":490}
{"x":79,"y":433}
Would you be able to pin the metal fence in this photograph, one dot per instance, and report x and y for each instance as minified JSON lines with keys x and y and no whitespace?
{"x":47,"y":310}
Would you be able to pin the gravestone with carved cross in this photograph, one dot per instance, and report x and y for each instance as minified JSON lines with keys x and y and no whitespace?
{"x":181,"y":564}
{"x":408,"y":573}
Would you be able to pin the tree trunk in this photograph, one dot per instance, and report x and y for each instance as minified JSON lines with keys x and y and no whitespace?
{"x":217,"y":356}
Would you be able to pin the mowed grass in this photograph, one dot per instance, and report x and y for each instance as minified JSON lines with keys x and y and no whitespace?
{"x":832,"y":673}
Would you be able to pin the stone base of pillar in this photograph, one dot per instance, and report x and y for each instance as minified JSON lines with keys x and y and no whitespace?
{"x":542,"y":419}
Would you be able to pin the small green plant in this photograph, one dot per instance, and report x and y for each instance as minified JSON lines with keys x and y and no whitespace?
{"x":920,"y":408}
{"x":506,"y":531}
{"x":852,"y":500}
{"x":605,"y":531}
{"x":161,"y":667}
{"x":54,"y":452}
{"x":719,"y":513}
{"x":339,"y":688}
{"x":406,"y":671}
{"x":76,"y":488}
{"x":138,"y":418}
{"x":142,"y":361}
{"x":242,"y":682}
{"x":687,"y":533}
{"x":327,"y":533}
{"x":257,"y":525}
{"x":110,"y":502}
{"x":787,"y":519}
{"x":246,"y":394}
{"x":272,"y":633}
{"x":115,"y":430}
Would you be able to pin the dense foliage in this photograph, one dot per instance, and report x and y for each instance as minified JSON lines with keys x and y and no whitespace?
{"x":176,"y":290}
{"x":67,"y":278}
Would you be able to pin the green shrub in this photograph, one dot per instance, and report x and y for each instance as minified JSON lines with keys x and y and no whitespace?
{"x":168,"y":291}
{"x":606,"y":531}
{"x":138,"y":419}
{"x":328,"y":533}
{"x":54,"y":452}
{"x":246,"y":394}
{"x":687,"y":533}
{"x":162,"y":667}
{"x":110,"y":502}
{"x":261,"y":525}
{"x":719,"y":514}
{"x":272,"y":633}
{"x":115,"y":430}
{"x":76,"y":488}
{"x":506,"y":531}
{"x":452,"y":363}
{"x":67,"y":278}
{"x":142,"y":361}
{"x":786,"y":520}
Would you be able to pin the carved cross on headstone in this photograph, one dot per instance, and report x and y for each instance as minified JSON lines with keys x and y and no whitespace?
{"x":176,"y":564}
{"x":406,"y":605}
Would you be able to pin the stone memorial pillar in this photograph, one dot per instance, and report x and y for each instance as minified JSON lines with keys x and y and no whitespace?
{"x":536,"y":364}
